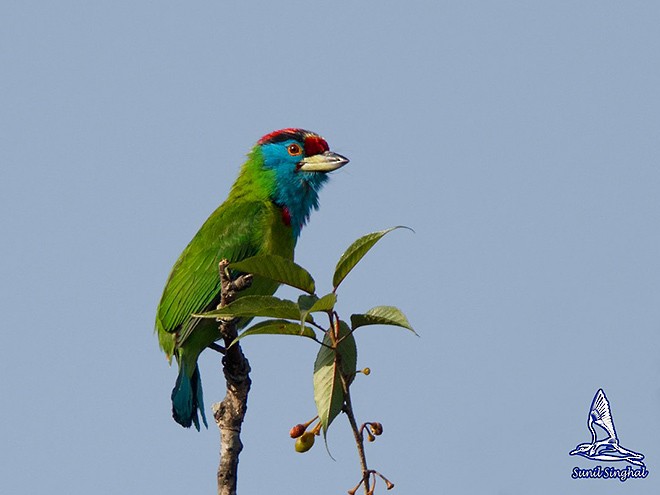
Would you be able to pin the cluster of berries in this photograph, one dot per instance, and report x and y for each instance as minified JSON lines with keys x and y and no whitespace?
{"x":304,"y":438}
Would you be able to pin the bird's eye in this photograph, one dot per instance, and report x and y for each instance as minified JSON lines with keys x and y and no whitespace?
{"x":294,"y":150}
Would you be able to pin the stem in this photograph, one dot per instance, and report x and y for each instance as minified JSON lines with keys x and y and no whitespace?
{"x":359,"y":441}
{"x":230,"y":413}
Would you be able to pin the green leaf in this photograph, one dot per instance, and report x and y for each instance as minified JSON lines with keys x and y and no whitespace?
{"x":381,"y":315}
{"x":279,"y":269}
{"x":326,"y":303}
{"x":312,"y":304}
{"x":251,"y":306}
{"x":305,"y":302}
{"x":347,"y":351}
{"x":328,"y":389}
{"x":356,"y":252}
{"x":277,"y":327}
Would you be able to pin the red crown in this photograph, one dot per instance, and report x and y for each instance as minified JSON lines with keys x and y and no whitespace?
{"x":314,"y":144}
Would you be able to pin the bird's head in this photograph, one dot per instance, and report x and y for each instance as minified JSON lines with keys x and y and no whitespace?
{"x":584,"y":449}
{"x":300,"y":161}
{"x":299,"y":153}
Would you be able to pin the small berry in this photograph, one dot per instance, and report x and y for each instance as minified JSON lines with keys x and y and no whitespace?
{"x":297,"y":430}
{"x":367,"y":371}
{"x":377,"y":428}
{"x":305,"y":442}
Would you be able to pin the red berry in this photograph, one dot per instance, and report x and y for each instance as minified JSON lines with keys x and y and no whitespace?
{"x":297,"y":430}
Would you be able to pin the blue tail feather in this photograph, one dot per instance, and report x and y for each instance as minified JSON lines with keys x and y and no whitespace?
{"x":187,"y":399}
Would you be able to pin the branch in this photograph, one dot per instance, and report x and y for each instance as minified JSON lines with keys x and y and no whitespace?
{"x":347,"y":408}
{"x":229,"y":413}
{"x":357,"y":434}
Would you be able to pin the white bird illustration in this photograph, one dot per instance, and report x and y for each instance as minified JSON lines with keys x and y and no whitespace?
{"x":609,"y":448}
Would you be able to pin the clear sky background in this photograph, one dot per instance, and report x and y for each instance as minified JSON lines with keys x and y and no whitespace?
{"x":521,"y":141}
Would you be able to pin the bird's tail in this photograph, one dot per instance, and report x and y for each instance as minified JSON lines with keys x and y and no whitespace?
{"x":187,"y":397}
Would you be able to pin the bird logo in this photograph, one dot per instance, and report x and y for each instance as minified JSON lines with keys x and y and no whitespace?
{"x":609,"y":448}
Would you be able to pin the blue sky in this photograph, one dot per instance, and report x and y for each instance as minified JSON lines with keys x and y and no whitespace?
{"x":519,"y":139}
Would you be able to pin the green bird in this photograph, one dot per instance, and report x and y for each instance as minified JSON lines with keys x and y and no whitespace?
{"x":270,"y":202}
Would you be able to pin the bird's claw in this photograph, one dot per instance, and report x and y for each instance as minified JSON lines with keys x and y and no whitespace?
{"x":242,"y":282}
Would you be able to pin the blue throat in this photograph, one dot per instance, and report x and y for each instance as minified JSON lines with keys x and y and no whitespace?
{"x":297,"y":191}
{"x":299,"y":194}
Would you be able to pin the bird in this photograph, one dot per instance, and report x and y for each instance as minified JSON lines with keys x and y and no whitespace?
{"x":268,"y":204}
{"x":608,"y":449}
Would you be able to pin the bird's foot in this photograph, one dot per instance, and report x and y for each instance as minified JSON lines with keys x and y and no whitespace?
{"x":242,"y":282}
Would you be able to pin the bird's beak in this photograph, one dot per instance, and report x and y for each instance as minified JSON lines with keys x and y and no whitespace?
{"x":323,"y":162}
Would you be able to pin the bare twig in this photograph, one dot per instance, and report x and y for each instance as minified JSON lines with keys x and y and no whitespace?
{"x":357,"y":434}
{"x":333,"y":331}
{"x":358,"y":431}
{"x":229,"y":413}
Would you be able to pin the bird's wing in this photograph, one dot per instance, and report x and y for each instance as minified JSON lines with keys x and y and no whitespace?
{"x":601,"y":414}
{"x":232,"y":232}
